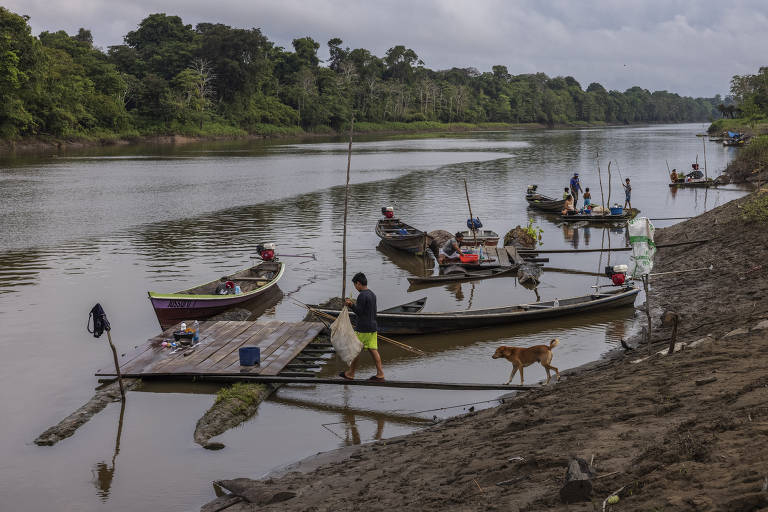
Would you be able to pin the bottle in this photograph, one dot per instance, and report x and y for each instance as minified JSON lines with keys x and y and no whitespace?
{"x":557,"y":303}
{"x":196,"y":327}
{"x":183,"y":327}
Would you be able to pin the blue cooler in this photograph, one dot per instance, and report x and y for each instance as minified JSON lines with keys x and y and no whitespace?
{"x":250,"y":356}
{"x":617,"y":210}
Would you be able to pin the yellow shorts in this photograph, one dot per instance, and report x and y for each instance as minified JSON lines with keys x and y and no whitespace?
{"x":368,"y":339}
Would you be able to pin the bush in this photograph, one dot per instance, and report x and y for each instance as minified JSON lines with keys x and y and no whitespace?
{"x":756,"y":208}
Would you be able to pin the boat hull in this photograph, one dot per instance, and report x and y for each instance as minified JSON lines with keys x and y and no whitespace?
{"x":427,"y":323}
{"x":485,"y":238}
{"x":544,"y":203}
{"x":415,"y":242}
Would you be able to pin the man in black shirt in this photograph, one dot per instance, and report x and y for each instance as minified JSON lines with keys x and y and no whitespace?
{"x":365,"y":310}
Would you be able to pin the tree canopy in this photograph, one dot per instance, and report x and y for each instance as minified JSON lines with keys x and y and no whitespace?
{"x":168,"y":77}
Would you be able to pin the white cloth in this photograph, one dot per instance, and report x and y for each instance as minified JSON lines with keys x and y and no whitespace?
{"x":643,"y":248}
{"x":344,"y":339}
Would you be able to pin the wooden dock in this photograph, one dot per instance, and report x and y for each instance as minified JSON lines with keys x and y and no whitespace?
{"x":217,"y":351}
{"x":287,"y":354}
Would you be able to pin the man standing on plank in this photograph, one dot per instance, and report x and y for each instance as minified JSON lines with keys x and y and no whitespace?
{"x":575,"y":188}
{"x":365,"y":310}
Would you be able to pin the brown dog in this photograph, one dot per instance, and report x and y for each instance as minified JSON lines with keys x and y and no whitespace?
{"x":522,"y":357}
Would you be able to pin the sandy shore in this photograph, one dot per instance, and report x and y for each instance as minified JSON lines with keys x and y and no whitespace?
{"x":677,"y":432}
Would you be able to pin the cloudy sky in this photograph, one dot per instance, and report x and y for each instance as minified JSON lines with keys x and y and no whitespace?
{"x":692,"y":47}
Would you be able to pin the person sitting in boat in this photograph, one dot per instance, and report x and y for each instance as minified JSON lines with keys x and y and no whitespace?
{"x":451,"y":250}
{"x":673,"y":176}
{"x":566,"y":193}
{"x":587,"y":198}
{"x":569,"y":208}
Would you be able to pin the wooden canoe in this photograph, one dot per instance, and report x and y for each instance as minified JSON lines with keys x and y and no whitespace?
{"x":200,"y":302}
{"x":400,"y":235}
{"x":545,"y":203}
{"x":705,"y":183}
{"x":600,"y":218}
{"x":484,"y":237}
{"x":426,"y":323}
{"x":461,"y":274}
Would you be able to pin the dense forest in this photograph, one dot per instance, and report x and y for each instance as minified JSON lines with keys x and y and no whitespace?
{"x":172,"y":78}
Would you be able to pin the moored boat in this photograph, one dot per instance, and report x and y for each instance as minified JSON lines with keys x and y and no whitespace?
{"x":542,"y":202}
{"x":400,"y":235}
{"x":425,"y":323}
{"x":594,"y":217}
{"x":457,"y":273}
{"x":200,"y":302}
{"x":482,"y":237}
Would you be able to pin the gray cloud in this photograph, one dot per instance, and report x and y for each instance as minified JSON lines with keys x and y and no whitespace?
{"x":686,"y":46}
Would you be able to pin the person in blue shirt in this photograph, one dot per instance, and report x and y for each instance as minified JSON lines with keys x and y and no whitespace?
{"x":575,"y":188}
{"x":366,"y":327}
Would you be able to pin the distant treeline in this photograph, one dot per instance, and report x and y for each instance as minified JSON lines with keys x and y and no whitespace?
{"x":169,"y":77}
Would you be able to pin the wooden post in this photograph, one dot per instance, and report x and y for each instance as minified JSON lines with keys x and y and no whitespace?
{"x":472,"y":219}
{"x":600,"y":177}
{"x":578,"y":482}
{"x":609,"y":184}
{"x":705,"y":160}
{"x":647,"y":310}
{"x":672,"y":340}
{"x":117,"y":365}
{"x":346,"y":207}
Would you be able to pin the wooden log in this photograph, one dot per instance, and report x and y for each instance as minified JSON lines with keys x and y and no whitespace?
{"x":578,"y":482}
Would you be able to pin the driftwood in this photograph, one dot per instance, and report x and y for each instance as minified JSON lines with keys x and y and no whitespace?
{"x":578,"y":482}
{"x":519,"y":238}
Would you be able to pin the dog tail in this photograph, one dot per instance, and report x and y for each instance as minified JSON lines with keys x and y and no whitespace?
{"x":552,"y":344}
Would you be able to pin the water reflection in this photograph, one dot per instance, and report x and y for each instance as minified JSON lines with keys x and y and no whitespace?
{"x":104,"y":473}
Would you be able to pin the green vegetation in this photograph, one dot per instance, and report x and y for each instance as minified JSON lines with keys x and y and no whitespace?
{"x":756,"y":208}
{"x":747,"y":105}
{"x":212,"y":79}
{"x":241,"y":396}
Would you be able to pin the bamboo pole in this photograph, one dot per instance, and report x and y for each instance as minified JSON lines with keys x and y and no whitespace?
{"x":472,"y":219}
{"x":600,"y":177}
{"x":705,"y":159}
{"x":609,"y":184}
{"x":346,"y":207}
{"x":117,"y":364}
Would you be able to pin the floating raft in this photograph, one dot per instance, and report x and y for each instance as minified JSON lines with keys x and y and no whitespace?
{"x":217,"y":352}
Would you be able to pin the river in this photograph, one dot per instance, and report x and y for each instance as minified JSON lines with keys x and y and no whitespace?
{"x":106,"y":225}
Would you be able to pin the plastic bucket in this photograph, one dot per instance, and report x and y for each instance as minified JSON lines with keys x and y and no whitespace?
{"x":250,"y":356}
{"x":617,"y":211}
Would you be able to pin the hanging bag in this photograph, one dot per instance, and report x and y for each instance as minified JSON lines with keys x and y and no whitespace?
{"x":344,"y":339}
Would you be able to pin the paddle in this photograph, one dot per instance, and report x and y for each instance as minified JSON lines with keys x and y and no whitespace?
{"x":326,"y":316}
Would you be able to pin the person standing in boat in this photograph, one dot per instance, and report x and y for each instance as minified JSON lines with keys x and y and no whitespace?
{"x":366,"y":328}
{"x":627,"y":194}
{"x":575,"y":188}
{"x":451,"y":249}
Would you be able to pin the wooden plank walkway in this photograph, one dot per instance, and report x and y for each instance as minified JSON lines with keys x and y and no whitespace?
{"x":217,"y":352}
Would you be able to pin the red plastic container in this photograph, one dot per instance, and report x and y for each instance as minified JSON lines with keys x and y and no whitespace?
{"x":389,"y":214}
{"x":469,"y":258}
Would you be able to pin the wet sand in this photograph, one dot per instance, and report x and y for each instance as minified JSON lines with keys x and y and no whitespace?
{"x":675,"y":432}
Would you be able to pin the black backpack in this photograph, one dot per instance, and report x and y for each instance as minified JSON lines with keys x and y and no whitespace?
{"x":99,"y":319}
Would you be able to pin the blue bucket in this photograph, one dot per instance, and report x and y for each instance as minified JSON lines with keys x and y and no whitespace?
{"x":617,"y":211}
{"x":250,"y":356}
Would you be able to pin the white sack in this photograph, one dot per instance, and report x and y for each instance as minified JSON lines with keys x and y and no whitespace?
{"x":643,"y":247}
{"x":344,"y":339}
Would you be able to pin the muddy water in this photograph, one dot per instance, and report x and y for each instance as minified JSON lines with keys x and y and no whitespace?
{"x":108,"y":225}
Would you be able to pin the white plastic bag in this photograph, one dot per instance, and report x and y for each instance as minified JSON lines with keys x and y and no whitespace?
{"x":643,"y":246}
{"x":344,"y":339}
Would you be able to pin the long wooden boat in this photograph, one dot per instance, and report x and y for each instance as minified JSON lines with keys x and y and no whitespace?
{"x":461,"y":274}
{"x":425,"y":323}
{"x":401,"y":236}
{"x":545,"y":203}
{"x":200,"y":302}
{"x":484,"y":237}
{"x":705,"y":183}
{"x":599,"y":218}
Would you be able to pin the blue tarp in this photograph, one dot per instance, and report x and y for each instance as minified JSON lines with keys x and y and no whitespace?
{"x":733,"y":135}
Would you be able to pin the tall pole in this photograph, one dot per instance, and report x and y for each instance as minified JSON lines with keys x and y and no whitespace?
{"x":600,"y":177}
{"x":705,"y":158}
{"x":117,"y":365}
{"x":346,"y":207}
{"x":471,"y":217}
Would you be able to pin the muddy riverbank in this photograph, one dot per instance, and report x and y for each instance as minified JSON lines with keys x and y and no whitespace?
{"x":673,"y":432}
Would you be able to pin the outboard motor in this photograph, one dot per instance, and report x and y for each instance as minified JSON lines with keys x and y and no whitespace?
{"x":617,"y":273}
{"x":266,"y":251}
{"x":388,"y":212}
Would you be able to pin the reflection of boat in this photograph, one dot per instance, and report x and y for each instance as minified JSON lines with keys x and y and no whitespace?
{"x":401,"y":236}
{"x":457,"y":273}
{"x":542,"y":202}
{"x":423,"y":323}
{"x":482,"y":236}
{"x":202,"y":302}
{"x":599,"y":218}
{"x":416,"y":265}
